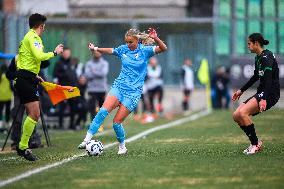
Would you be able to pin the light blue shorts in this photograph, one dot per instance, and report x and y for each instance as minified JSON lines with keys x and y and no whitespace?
{"x":130,"y":102}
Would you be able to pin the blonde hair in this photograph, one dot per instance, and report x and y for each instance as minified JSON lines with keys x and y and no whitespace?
{"x":141,"y":36}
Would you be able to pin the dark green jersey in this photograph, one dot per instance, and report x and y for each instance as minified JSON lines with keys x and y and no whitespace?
{"x":267,"y":71}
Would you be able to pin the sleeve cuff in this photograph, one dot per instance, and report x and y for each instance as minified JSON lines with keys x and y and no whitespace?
{"x":154,"y":47}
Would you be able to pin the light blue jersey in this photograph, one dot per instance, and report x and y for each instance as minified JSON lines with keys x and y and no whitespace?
{"x":129,"y":84}
{"x":133,"y":70}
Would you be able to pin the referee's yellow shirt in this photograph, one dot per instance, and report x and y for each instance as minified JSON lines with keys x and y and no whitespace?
{"x":31,"y":53}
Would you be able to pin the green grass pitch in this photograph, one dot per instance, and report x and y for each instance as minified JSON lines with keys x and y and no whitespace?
{"x":205,"y":153}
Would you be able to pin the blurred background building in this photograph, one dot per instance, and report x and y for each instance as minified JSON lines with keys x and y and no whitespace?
{"x":211,"y":29}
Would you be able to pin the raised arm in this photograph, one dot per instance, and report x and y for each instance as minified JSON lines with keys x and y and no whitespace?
{"x":101,"y":50}
{"x":38,"y":52}
{"x":161,"y":45}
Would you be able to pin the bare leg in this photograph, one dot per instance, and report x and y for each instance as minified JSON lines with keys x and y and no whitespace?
{"x":245,"y":111}
{"x":243,"y":117}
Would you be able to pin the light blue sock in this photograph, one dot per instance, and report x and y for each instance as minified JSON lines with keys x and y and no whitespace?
{"x":97,"y":121}
{"x":119,"y":131}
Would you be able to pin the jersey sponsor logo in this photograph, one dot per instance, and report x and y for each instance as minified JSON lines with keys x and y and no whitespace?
{"x":37,"y":45}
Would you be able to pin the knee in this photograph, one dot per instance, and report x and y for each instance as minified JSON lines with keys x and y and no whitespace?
{"x":35,"y":116}
{"x":236,"y":116}
{"x":242,"y":113}
{"x":117,"y":120}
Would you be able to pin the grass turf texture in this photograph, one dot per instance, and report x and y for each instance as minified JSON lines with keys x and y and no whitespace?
{"x":206,"y":153}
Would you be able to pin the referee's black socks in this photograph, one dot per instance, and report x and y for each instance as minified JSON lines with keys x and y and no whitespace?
{"x":250,"y":132}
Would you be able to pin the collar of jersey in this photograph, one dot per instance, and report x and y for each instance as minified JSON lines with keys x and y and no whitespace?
{"x":135,"y":50}
{"x":34,"y":32}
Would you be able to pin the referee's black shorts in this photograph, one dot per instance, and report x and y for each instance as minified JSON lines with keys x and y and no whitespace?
{"x":271,"y":100}
{"x":26,"y":86}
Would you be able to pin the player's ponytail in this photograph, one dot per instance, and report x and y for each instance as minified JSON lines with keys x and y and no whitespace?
{"x":259,"y":38}
{"x":265,"y":42}
{"x":141,"y":36}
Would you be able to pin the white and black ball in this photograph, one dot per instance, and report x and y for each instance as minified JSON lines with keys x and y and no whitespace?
{"x":94,"y":148}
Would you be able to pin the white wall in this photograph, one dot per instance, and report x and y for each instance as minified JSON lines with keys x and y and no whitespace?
{"x":46,"y":7}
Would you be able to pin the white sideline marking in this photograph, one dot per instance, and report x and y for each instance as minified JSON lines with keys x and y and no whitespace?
{"x":12,"y":158}
{"x":131,"y":139}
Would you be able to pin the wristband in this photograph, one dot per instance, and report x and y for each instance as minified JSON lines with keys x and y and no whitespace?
{"x":96,"y":48}
{"x":55,"y":53}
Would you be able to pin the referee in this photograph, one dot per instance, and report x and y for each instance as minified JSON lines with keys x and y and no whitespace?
{"x":268,"y":91}
{"x":26,"y":83}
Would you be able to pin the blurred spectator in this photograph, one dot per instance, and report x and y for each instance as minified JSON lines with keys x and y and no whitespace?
{"x":154,"y":84}
{"x":77,"y":66}
{"x":81,"y":103}
{"x":19,"y":109}
{"x":65,"y":74}
{"x":144,"y":117}
{"x":5,"y":98}
{"x":187,"y":82}
{"x":81,"y":106}
{"x":96,"y":71}
{"x":220,"y":81}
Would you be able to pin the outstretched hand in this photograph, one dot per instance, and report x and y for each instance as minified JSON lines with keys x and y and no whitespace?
{"x":92,"y":47}
{"x":152,"y":33}
{"x":237,"y":95}
{"x":262,"y":105}
{"x":59,"y":49}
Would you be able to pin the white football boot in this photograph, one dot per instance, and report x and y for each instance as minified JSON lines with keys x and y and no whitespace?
{"x":122,"y":150}
{"x":252,"y":149}
{"x":87,"y":139}
{"x":82,"y":145}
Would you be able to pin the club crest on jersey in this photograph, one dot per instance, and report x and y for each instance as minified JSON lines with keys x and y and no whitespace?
{"x":136,"y":55}
{"x":260,"y":72}
{"x":37,"y":45}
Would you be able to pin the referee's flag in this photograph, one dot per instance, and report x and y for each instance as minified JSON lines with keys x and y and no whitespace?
{"x":204,"y":78}
{"x":58,"y":93}
{"x":203,"y":72}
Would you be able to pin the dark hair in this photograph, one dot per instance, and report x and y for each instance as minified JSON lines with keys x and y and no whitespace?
{"x":259,"y":38}
{"x":35,"y":20}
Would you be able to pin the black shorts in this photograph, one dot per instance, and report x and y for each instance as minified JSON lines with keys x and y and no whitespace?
{"x":270,"y":101}
{"x":186,"y":92}
{"x":27,"y":86}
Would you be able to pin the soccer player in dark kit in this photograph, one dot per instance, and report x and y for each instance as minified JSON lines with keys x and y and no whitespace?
{"x":268,"y":91}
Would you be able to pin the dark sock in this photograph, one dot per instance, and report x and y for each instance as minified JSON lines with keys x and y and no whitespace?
{"x":250,"y":132}
{"x":184,"y":105}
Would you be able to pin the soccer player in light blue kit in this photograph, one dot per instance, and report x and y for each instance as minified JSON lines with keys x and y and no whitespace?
{"x":127,"y":88}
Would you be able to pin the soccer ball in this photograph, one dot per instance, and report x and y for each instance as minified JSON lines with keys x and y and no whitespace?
{"x":94,"y":148}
